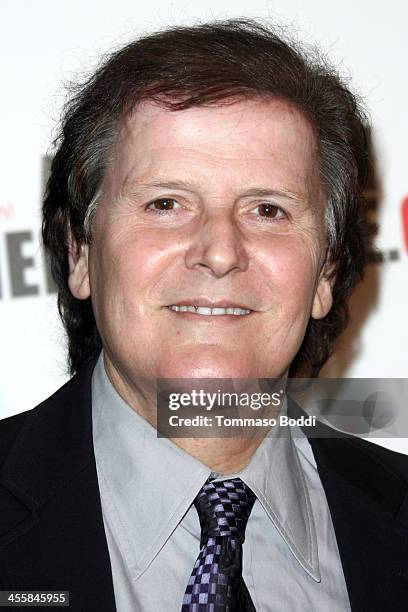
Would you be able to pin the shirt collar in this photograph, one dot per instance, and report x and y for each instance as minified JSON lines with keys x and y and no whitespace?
{"x":151,"y":482}
{"x":276,"y":477}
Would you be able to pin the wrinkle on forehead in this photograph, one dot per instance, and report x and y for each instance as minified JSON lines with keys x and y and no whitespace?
{"x":238,"y":119}
{"x":204,"y":138}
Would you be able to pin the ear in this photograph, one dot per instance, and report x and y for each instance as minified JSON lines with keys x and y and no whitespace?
{"x":323,"y":298}
{"x":78,"y":279}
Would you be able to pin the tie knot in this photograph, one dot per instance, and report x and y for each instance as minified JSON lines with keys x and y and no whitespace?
{"x":223,"y":508}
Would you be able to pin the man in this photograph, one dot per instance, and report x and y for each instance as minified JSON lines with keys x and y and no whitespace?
{"x":204,"y":219}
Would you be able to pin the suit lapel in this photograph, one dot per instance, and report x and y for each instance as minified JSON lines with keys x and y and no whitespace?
{"x":54,"y":537}
{"x":367,"y":497}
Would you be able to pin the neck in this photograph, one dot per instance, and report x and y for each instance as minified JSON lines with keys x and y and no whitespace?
{"x":222,"y":455}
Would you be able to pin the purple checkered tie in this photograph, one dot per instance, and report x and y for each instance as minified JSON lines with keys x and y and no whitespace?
{"x":216,"y":583}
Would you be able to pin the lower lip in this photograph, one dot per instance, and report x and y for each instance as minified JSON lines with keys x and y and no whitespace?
{"x":196,"y":315}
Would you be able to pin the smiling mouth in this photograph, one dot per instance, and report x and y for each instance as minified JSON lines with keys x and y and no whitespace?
{"x":207,"y":311}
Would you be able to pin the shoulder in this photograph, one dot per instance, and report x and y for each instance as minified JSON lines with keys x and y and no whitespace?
{"x":358,"y":450}
{"x":352,"y":456}
{"x":9,"y":429}
{"x":384,"y":456}
{"x":60,"y":408}
{"x":357,"y":466}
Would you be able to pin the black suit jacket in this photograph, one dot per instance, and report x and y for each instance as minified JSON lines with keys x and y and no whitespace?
{"x":51,"y":528}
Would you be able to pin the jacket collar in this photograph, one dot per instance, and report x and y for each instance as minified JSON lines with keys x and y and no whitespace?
{"x":367,"y":467}
{"x":58,"y":542}
{"x":56,"y":433}
{"x":366,"y":488}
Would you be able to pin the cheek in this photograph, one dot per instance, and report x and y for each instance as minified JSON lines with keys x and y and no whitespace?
{"x":126,"y":269}
{"x":289,"y":268}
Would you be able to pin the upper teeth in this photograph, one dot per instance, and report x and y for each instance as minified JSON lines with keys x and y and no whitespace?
{"x":203,"y":310}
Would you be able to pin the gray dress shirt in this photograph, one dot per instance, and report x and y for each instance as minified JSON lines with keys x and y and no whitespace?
{"x":147,"y":485}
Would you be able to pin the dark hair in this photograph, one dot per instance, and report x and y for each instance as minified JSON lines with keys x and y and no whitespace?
{"x":213,"y":63}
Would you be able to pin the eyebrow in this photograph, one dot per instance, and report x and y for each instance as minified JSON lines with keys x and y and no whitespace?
{"x":254,"y":192}
{"x":291,"y":195}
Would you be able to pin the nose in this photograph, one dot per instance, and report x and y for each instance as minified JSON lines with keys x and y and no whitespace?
{"x":217,"y":245}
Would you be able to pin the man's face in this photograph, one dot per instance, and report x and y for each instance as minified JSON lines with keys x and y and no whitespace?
{"x":217,"y":207}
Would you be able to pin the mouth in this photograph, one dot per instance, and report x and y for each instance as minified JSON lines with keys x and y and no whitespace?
{"x":209,"y":311}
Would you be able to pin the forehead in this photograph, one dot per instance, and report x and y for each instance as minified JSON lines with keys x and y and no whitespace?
{"x":245,"y":138}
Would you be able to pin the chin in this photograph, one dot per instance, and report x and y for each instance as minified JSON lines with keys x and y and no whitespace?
{"x":204,"y":364}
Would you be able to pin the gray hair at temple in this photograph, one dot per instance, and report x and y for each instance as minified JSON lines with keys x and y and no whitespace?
{"x":213,"y":63}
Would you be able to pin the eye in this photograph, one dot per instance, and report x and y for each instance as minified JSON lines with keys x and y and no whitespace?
{"x":163,"y":205}
{"x":270,"y":211}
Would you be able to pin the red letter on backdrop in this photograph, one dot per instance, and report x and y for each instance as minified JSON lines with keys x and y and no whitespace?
{"x":405,"y":221}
